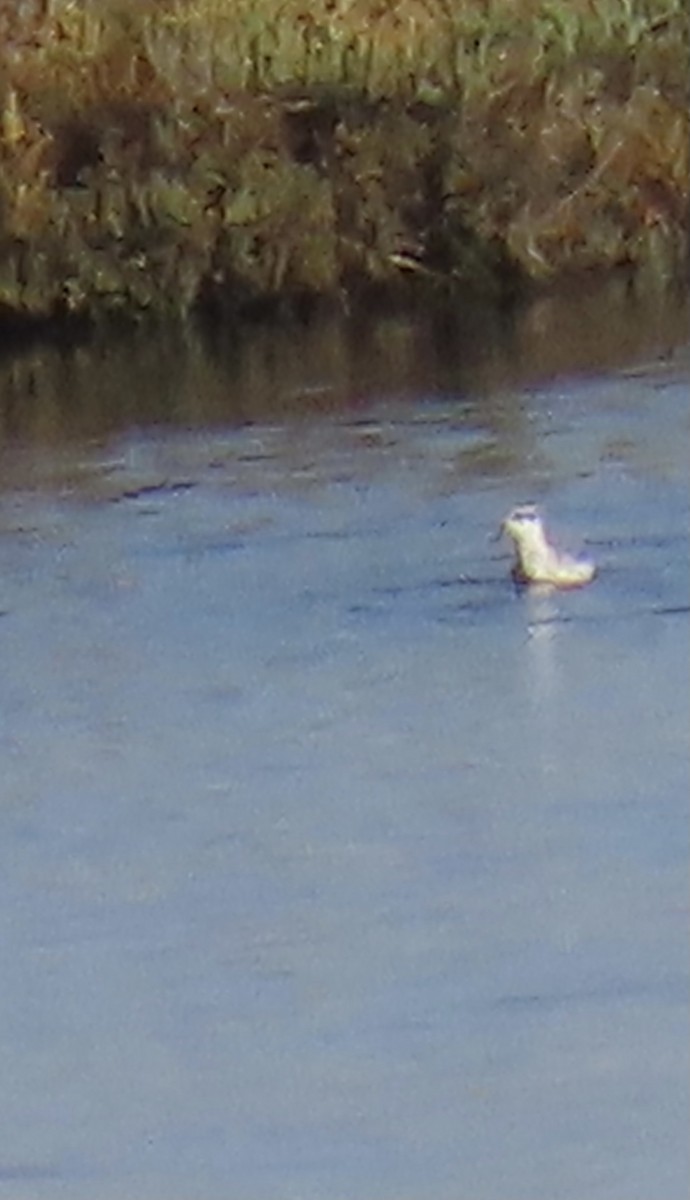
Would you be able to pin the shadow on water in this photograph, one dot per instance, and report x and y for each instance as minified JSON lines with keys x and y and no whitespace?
{"x":200,"y":377}
{"x":331,"y":864}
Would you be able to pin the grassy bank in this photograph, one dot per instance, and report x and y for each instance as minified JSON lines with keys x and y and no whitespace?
{"x":164,"y":154}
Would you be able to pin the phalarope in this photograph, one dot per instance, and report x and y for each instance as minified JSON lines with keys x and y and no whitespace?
{"x":536,"y":560}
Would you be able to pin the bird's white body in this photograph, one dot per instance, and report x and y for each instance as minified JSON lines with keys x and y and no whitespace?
{"x":536,"y":560}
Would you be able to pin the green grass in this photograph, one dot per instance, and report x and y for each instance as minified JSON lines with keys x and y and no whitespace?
{"x":155,"y":155}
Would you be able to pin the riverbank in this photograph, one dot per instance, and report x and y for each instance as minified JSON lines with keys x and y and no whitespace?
{"x":170,"y":158}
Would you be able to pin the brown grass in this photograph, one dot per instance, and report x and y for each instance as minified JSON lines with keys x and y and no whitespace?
{"x":160,"y":154}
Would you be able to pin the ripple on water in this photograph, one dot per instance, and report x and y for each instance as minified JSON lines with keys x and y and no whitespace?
{"x":326,"y":852}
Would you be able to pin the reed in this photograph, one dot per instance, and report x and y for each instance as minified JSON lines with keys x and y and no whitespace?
{"x":156,"y":155}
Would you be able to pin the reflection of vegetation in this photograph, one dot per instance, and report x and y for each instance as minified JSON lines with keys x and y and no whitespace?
{"x":195,"y":376}
{"x":156,"y":154}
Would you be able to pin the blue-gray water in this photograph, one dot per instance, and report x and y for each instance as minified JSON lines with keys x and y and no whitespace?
{"x":331,"y":867}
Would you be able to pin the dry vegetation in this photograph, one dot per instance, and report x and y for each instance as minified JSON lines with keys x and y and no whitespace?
{"x":161,"y":154}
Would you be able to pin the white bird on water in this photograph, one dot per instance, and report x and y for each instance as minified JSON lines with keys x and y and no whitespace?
{"x":536,"y":560}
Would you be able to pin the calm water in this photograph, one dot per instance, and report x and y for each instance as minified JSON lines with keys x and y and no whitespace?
{"x":332,"y":868}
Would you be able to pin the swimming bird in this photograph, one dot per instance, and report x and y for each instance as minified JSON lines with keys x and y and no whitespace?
{"x":536,"y":560}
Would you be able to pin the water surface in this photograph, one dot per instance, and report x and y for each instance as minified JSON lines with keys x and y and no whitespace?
{"x":331,"y":865}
